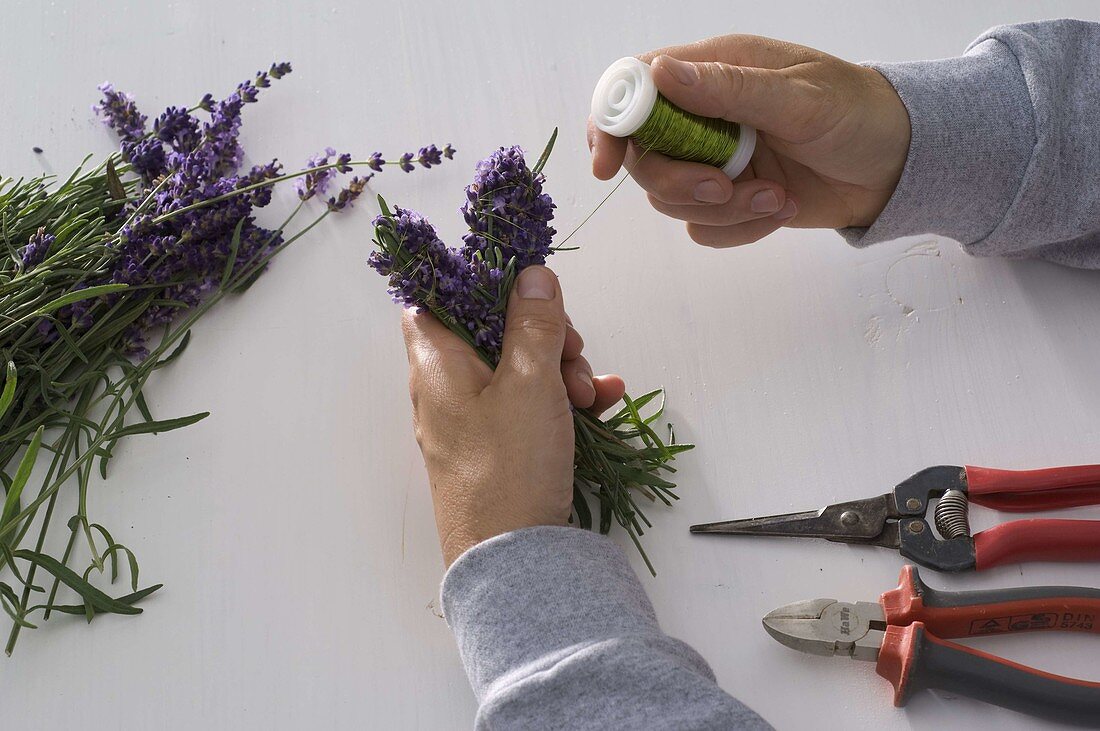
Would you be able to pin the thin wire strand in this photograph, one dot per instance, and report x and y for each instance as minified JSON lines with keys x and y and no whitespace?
{"x":605,"y":199}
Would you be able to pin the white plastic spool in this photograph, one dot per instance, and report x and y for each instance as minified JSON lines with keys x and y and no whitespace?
{"x":624,"y":99}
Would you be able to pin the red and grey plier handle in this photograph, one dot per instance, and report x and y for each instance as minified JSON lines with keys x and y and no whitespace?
{"x":898,"y":518}
{"x":906,"y":632}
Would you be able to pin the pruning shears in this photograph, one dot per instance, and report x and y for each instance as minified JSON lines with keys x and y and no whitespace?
{"x":898,"y":519}
{"x":906,"y":633}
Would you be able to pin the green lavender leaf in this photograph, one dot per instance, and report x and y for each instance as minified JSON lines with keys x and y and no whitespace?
{"x":10,"y":601}
{"x":105,"y":454}
{"x":382,"y":205}
{"x":5,"y":551}
{"x":143,"y":407}
{"x":639,"y":403}
{"x":234,"y":246}
{"x":155,"y":427}
{"x":93,"y":597}
{"x":8,"y":394}
{"x":79,"y":608}
{"x":112,"y":553}
{"x":22,"y":474}
{"x":245,"y":285}
{"x":80,"y":294}
{"x":114,"y":184}
{"x":545,"y":153}
{"x":182,"y":346}
{"x":74,"y":347}
{"x":580,"y":507}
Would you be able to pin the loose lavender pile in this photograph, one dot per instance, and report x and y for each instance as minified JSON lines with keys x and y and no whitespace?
{"x":467,"y":289}
{"x":101,"y":279}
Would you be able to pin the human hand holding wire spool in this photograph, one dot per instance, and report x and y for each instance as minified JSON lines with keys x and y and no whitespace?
{"x":808,"y":139}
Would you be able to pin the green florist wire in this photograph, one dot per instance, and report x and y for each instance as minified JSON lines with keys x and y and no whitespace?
{"x":626,"y":103}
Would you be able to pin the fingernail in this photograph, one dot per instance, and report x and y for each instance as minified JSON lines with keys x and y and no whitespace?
{"x":685,"y":73}
{"x":764,"y":202}
{"x":787,"y":211}
{"x":536,"y":283}
{"x":710,"y":191}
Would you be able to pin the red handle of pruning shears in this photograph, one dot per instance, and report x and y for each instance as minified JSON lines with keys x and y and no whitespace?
{"x":1026,"y":490}
{"x":1038,"y":540}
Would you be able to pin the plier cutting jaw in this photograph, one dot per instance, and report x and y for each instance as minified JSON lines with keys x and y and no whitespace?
{"x":898,"y":519}
{"x":906,"y":633}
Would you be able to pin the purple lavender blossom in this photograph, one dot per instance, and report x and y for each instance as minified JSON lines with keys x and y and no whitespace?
{"x":247,"y":92}
{"x":449,"y":152}
{"x":36,"y":249}
{"x":146,"y":157}
{"x":258,"y":174}
{"x":347,"y":195}
{"x":317,"y":183}
{"x":424,"y":273}
{"x":405,"y":162}
{"x":279,"y":70}
{"x":223,"y":151}
{"x":507,"y":213}
{"x":188,"y":252}
{"x":177,"y":128}
{"x":182,"y":241}
{"x":120,"y":113}
{"x":430,"y":155}
{"x":506,"y":208}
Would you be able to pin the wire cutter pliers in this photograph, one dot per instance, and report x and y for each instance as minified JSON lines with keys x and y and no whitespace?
{"x":905,"y":633}
{"x":897,"y":519}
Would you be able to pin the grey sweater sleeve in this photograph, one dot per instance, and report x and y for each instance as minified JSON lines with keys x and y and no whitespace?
{"x":556,"y":632}
{"x":1005,"y":148}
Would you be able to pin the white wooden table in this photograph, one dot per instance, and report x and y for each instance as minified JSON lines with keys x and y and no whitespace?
{"x":293,"y":528}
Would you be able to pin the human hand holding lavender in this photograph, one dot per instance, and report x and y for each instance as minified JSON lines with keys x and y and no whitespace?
{"x":498,"y":445}
{"x":470,"y":293}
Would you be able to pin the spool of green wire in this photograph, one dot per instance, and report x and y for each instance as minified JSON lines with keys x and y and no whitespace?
{"x":626,"y":103}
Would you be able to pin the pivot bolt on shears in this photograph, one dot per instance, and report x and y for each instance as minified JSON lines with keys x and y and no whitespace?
{"x":905,"y":631}
{"x":898,"y":519}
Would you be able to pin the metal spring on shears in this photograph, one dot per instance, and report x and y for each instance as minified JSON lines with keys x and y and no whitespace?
{"x":952,"y":515}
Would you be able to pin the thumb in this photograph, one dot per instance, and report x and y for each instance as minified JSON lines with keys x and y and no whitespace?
{"x":534,"y":327}
{"x":764,"y":98}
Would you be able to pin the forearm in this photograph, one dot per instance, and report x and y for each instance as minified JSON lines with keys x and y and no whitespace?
{"x":1005,"y":148}
{"x":556,"y":631}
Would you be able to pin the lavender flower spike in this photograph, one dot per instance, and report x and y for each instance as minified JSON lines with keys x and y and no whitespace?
{"x":430,"y":155}
{"x":505,"y":207}
{"x":120,"y":113}
{"x":36,"y":249}
{"x":316,"y":183}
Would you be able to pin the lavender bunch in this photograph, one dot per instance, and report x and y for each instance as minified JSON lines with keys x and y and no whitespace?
{"x":102,"y":277}
{"x":467,"y":288}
